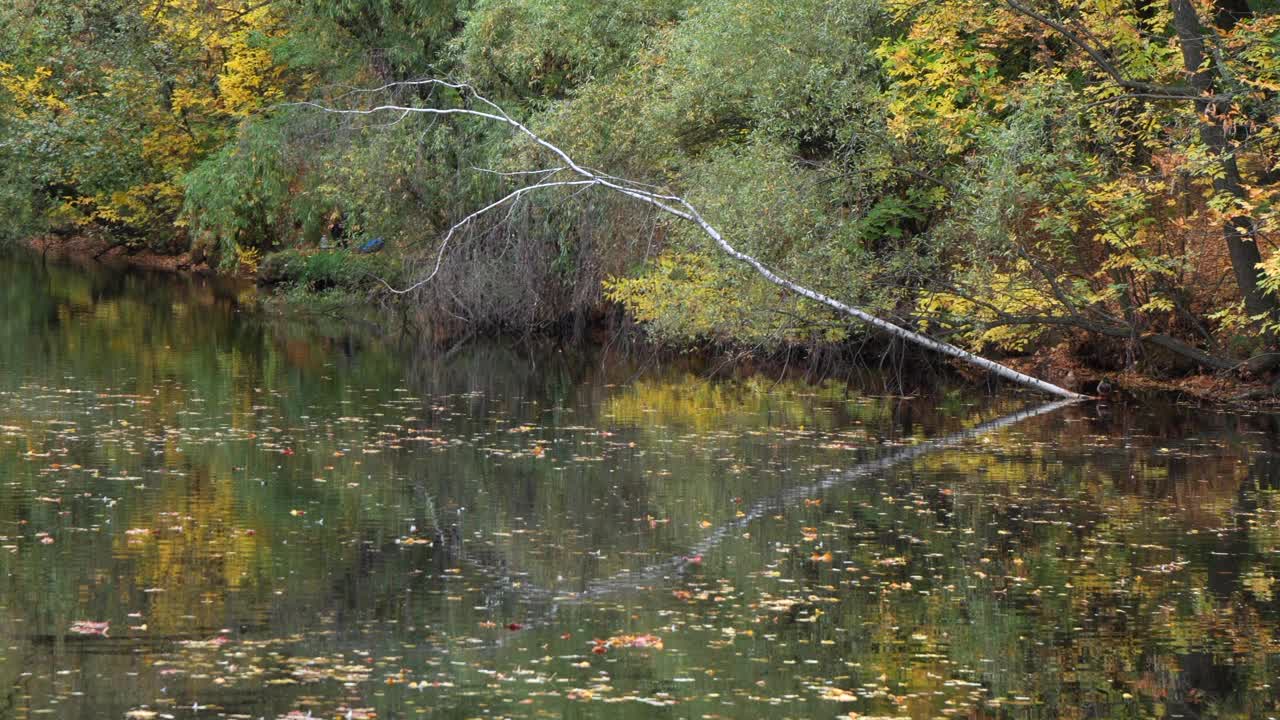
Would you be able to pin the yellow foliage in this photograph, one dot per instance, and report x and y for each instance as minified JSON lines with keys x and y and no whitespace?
{"x":196,"y":101}
{"x":141,"y":205}
{"x":693,"y":402}
{"x":944,"y":71}
{"x":170,"y":148}
{"x":29,"y":92}
{"x":680,"y":290}
{"x":686,"y":296}
{"x":1005,"y":294}
{"x":217,"y":72}
{"x":249,"y":257}
{"x":249,"y":79}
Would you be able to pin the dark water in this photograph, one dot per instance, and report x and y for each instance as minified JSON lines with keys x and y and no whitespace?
{"x":282,"y":521}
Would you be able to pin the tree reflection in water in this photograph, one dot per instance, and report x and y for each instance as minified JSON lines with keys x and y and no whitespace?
{"x":277,"y":517}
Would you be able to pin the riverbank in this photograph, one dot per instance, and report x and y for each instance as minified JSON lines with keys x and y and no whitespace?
{"x":103,"y":250}
{"x":1056,"y":364}
{"x":1216,"y":388}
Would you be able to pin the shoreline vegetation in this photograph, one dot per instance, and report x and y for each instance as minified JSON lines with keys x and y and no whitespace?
{"x":811,"y":363}
{"x":1082,"y":192}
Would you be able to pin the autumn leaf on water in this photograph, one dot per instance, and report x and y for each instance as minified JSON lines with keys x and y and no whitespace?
{"x":90,"y":627}
{"x":213,"y":642}
{"x":838,"y":695}
{"x":627,"y":641}
{"x":646,"y":641}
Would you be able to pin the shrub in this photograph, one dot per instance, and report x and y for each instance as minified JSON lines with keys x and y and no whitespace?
{"x":327,"y":270}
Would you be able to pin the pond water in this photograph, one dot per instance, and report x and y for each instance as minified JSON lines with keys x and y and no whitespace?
{"x":207,"y":512}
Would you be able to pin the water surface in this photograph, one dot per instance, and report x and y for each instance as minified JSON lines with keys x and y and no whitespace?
{"x":207,"y":512}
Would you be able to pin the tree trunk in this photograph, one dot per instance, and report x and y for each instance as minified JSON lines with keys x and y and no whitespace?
{"x":1238,"y":231}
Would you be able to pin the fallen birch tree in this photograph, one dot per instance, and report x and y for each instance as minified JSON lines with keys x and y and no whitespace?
{"x":582,"y":177}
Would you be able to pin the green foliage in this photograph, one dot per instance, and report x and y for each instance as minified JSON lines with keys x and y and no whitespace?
{"x":18,"y":193}
{"x":537,"y":50}
{"x":709,"y":81}
{"x":398,"y":38}
{"x":112,"y":102}
{"x":898,"y":155}
{"x":326,"y":270}
{"x":236,"y":198}
{"x":763,"y":137}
